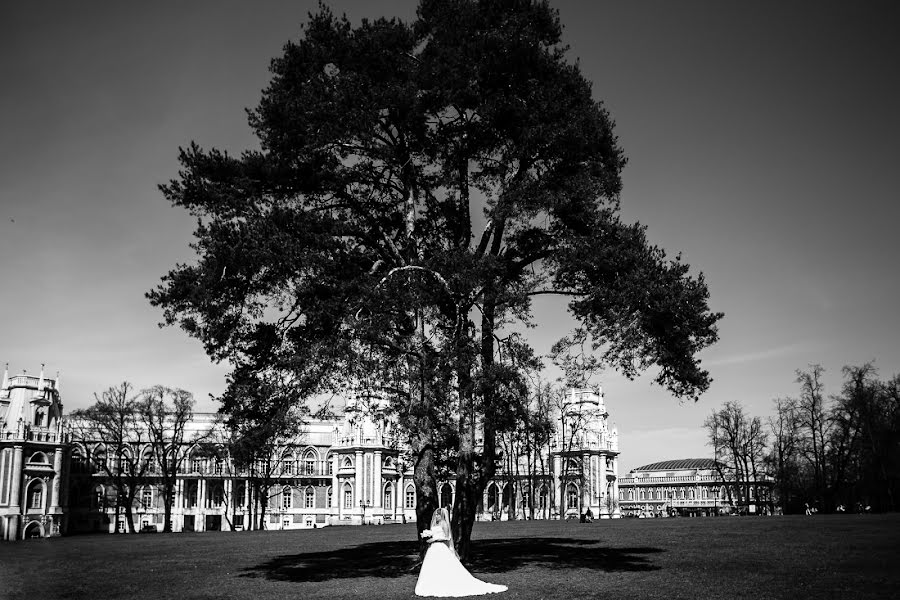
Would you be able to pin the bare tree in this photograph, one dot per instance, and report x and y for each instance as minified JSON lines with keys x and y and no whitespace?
{"x":113,"y":420}
{"x":165,"y":413}
{"x":738,"y":442}
{"x":784,"y":426}
{"x":815,"y":428}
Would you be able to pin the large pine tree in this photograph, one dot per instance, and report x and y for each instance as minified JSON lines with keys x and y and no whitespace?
{"x":415,"y":186}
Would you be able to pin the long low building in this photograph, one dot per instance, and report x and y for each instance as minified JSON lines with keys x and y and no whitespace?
{"x":57,"y":478}
{"x":686,"y":487}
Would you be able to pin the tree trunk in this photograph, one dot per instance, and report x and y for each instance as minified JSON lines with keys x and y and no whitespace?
{"x":426,"y":487}
{"x":168,"y":489}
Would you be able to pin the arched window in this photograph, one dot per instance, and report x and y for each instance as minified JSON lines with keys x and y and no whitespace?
{"x":329,"y":465}
{"x":197,"y":463}
{"x":446,"y":495}
{"x":543,"y":497}
{"x":329,"y":497}
{"x":147,"y":498}
{"x":347,"y":463}
{"x":98,"y":457}
{"x":643,"y":495}
{"x":39,"y":458}
{"x":79,"y":464}
{"x":690,"y":493}
{"x":218,"y":496}
{"x":286,"y":498}
{"x":571,"y":496}
{"x":287,"y":465}
{"x":410,"y":497}
{"x":631,"y":494}
{"x":493,"y":497}
{"x":388,"y":463}
{"x":388,"y":497}
{"x":36,"y":496}
{"x":309,"y":462}
{"x":348,"y":496}
{"x":310,"y":499}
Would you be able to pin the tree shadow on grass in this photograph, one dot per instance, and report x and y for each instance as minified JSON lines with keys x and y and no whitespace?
{"x":396,"y":559}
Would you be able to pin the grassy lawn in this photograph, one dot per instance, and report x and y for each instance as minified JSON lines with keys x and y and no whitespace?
{"x":847,"y":556}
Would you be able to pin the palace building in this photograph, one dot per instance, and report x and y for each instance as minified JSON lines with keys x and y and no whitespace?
{"x":350,"y":470}
{"x":32,"y":454}
{"x":686,"y":487}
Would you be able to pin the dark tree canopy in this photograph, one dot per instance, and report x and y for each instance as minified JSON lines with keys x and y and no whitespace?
{"x":415,"y":186}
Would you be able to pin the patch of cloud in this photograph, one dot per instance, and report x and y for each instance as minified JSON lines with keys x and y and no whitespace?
{"x":759,"y":355}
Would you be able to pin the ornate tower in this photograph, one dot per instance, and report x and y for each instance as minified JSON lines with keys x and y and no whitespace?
{"x":585,"y":455}
{"x":31,"y":457}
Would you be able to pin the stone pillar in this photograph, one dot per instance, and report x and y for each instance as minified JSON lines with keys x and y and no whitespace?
{"x":378,"y":491}
{"x":557,"y":486}
{"x":587,"y":491}
{"x":335,"y":483}
{"x":400,"y":494}
{"x":54,"y":495}
{"x":358,"y":484}
{"x":13,"y":523}
{"x":200,"y":518}
{"x":617,"y":512}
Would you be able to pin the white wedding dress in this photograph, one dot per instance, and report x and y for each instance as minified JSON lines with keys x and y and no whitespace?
{"x":444,"y":576}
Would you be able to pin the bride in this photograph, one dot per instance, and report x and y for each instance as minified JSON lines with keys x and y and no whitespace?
{"x":442,"y":574}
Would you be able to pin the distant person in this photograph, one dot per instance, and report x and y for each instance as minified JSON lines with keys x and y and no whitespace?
{"x":589,"y":516}
{"x":808,"y":510}
{"x":442,"y":574}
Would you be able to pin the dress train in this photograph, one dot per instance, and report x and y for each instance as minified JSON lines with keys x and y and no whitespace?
{"x":442,"y":575}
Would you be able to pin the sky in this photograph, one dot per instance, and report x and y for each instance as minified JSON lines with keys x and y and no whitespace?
{"x":762,"y":144}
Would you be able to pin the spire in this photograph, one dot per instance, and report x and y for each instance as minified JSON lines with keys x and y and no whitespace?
{"x":5,"y":377}
{"x":57,"y":382}
{"x":40,"y":389}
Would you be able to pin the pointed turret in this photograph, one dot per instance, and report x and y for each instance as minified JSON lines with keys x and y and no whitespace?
{"x":5,"y":377}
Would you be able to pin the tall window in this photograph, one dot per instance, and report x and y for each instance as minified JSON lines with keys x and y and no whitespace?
{"x":100,"y":459}
{"x":310,"y":500}
{"x":329,"y":465}
{"x":287,"y":467}
{"x":218,"y":496}
{"x":78,"y":463}
{"x":98,"y":500}
{"x":329,"y":498}
{"x":410,"y":497}
{"x":197,"y":465}
{"x":388,"y":497}
{"x":220,"y":465}
{"x":572,"y":496}
{"x":310,"y":465}
{"x":36,"y":497}
{"x":348,"y":497}
{"x":286,"y":498}
{"x":543,"y":497}
{"x":146,"y":498}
